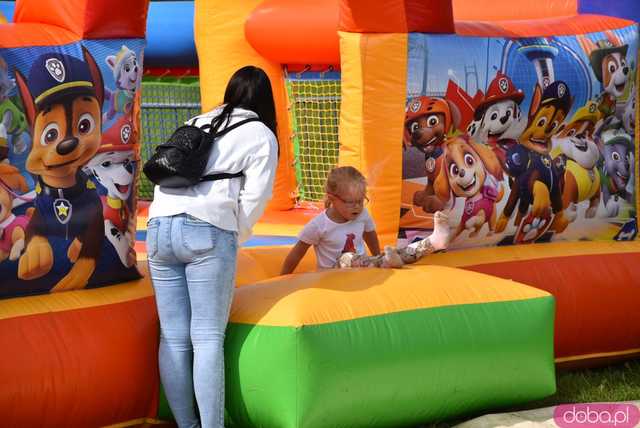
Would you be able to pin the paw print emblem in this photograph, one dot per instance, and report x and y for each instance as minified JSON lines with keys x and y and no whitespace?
{"x":504,"y":85}
{"x":561,"y":90}
{"x":55,"y":67}
{"x":468,"y":207}
{"x":430,"y":164}
{"x":125,"y":134}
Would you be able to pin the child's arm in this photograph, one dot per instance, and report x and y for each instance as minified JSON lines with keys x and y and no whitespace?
{"x":371,"y":238}
{"x":293,"y":258}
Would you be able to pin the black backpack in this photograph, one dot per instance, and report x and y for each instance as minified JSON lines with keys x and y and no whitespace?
{"x":180,"y":162}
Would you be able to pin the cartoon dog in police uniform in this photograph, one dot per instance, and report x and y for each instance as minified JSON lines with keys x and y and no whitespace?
{"x":112,"y":166}
{"x":575,"y":144}
{"x":427,"y":123}
{"x":62,"y":97}
{"x":537,"y":179}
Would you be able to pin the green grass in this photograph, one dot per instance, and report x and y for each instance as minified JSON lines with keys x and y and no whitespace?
{"x":620,"y":382}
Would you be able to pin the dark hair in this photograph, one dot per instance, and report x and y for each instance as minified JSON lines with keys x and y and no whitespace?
{"x":249,"y":88}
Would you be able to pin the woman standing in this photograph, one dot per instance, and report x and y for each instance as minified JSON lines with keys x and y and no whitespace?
{"x":192,"y":243}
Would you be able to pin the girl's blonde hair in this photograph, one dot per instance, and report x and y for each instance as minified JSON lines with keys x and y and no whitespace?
{"x":341,"y":178}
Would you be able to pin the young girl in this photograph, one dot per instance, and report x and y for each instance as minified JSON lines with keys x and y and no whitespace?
{"x":337,"y":234}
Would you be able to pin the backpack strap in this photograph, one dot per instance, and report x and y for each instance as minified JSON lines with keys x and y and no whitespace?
{"x":221,"y":176}
{"x":224,"y":175}
{"x":234,"y":126}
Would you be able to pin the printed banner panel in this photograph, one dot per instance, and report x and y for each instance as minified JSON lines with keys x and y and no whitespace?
{"x":521,"y":140}
{"x":69,"y":133}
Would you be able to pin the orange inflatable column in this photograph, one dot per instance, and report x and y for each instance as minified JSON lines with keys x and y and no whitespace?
{"x":373,"y":55}
{"x":222,"y":49}
{"x":374,"y":74}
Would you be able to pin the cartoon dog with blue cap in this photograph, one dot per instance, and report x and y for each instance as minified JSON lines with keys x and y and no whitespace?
{"x":63,"y":98}
{"x":537,"y":179}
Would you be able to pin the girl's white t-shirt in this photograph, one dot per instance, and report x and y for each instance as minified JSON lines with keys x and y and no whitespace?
{"x":331,"y":239}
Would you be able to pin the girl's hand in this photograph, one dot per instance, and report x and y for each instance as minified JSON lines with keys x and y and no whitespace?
{"x":371,"y":238}
{"x":293,"y":258}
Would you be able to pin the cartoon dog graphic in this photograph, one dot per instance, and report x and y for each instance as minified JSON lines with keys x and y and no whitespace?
{"x":498,"y":117}
{"x":471,"y":171}
{"x":6,"y":85}
{"x":13,"y":125}
{"x":62,"y":97}
{"x":127,"y":74}
{"x":617,"y":149}
{"x":427,"y":122}
{"x":112,"y":167}
{"x":629,"y":123}
{"x":537,"y":179}
{"x":575,"y":145}
{"x":12,"y":227}
{"x":629,"y":114}
{"x":608,"y":61}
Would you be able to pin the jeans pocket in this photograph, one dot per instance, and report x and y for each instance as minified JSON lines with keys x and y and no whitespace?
{"x":152,"y":238}
{"x":197,"y":235}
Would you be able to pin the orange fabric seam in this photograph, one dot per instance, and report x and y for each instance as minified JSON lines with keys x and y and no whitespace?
{"x":597,"y":355}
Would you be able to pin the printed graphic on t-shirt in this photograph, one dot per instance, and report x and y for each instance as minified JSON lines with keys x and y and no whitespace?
{"x":349,"y":245}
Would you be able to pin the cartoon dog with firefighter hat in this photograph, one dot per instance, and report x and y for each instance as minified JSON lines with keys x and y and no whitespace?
{"x":498,"y":116}
{"x":63,"y":97}
{"x":427,"y":122}
{"x":113,"y":168}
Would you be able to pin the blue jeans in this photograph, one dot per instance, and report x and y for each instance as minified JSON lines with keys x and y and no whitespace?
{"x":192,"y":265}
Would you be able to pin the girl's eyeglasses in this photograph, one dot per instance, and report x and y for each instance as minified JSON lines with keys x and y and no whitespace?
{"x":356,"y":203}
